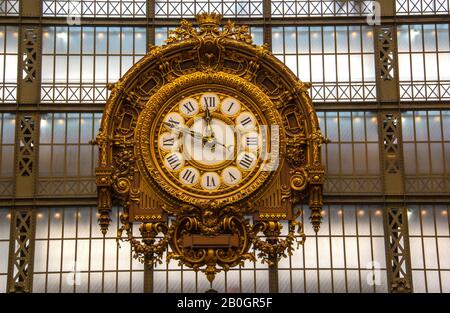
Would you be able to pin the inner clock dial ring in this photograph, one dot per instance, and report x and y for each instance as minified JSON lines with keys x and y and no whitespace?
{"x":233,"y":187}
{"x":200,"y":152}
{"x":210,"y":141}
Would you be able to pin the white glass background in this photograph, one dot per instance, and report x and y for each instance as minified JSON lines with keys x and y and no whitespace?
{"x":338,"y":60}
{"x":426,"y":143}
{"x":78,"y":62}
{"x":7,"y":136}
{"x":429,"y":238}
{"x":9,"y":37}
{"x":424,"y":60}
{"x":5,"y":223}
{"x":71,"y":254}
{"x":67,"y":159}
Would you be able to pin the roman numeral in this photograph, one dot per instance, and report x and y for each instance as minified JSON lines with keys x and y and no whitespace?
{"x":232,"y":177}
{"x":210,"y":102}
{"x":210,"y":181}
{"x":189,"y":107}
{"x":231,"y":105}
{"x":246,"y":121}
{"x":168,"y":142}
{"x":246,"y":161}
{"x":252,"y":141}
{"x":174,"y":162}
{"x":172,"y":121}
{"x":189,"y":176}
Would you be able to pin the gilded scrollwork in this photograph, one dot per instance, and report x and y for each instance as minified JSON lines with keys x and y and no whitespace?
{"x":208,"y":233}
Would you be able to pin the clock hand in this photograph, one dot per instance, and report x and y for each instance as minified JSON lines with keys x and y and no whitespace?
{"x":185,"y":131}
{"x":216,"y":142}
{"x":208,"y":119}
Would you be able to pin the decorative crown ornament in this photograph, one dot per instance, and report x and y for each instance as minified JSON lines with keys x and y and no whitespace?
{"x":208,"y":19}
{"x":210,"y":229}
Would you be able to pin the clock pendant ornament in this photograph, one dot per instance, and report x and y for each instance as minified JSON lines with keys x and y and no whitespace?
{"x":210,"y":145}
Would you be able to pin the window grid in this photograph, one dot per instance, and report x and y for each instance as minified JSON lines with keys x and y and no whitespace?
{"x":422,"y":7}
{"x":338,"y":60}
{"x":95,"y":8}
{"x":297,"y":8}
{"x":351,"y":159}
{"x":9,"y":7}
{"x":250,"y":278}
{"x":424,"y":60}
{"x":429,"y":238}
{"x":67,"y":160}
{"x":426,"y":143}
{"x":347,"y":255}
{"x":70,"y":254}
{"x":228,"y":8}
{"x":82,"y":60}
{"x":8,"y":63}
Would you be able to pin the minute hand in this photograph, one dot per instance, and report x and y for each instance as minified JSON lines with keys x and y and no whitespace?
{"x":186,"y":131}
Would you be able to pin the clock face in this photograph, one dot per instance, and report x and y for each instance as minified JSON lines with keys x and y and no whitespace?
{"x":211,"y":143}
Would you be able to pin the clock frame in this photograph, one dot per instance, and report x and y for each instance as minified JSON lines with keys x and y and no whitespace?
{"x":211,"y":230}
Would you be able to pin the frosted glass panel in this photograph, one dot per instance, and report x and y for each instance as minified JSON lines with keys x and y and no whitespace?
{"x":104,"y":53}
{"x":71,"y":261}
{"x":336,"y":59}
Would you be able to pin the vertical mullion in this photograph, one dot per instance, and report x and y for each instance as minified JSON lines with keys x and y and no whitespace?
{"x":323,"y":57}
{"x":108,"y":54}
{"x":336,"y":60}
{"x":353,"y":142}
{"x":167,"y":276}
{"x":437,"y":53}
{"x":310,"y":56}
{"x":117,"y":253}
{"x":75,"y":268}
{"x":79,"y":145}
{"x":291,"y":288}
{"x":5,"y":44}
{"x":366,"y":144}
{"x":48,"y":248}
{"x":442,"y":142}
{"x":62,"y":248}
{"x":410,"y":54}
{"x":415,"y":143}
{"x":357,"y":246}
{"x":2,"y":126}
{"x":103,"y":264}
{"x":330,"y":237}
{"x":430,"y":158}
{"x":317,"y":261}
{"x":349,"y":59}
{"x":94,"y":62}
{"x":54,"y":64}
{"x":362,"y":62}
{"x":371,"y":245}
{"x":81,"y":63}
{"x":423,"y":248}
{"x":90,"y":252}
{"x":437,"y":248}
{"x":344,"y":246}
{"x":303,"y":255}
{"x":67,"y":63}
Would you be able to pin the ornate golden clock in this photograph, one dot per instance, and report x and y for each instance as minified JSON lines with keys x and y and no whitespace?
{"x":218,"y":134}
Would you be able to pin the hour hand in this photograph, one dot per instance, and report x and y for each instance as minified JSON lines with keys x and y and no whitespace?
{"x":208,"y":118}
